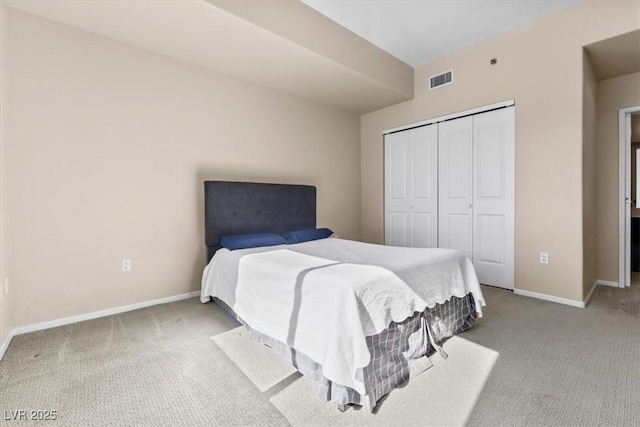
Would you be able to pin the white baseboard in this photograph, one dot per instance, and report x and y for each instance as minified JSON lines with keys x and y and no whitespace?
{"x":565,"y":301}
{"x":608,"y":283}
{"x":590,"y":294}
{"x":88,"y":316}
{"x":5,"y":344}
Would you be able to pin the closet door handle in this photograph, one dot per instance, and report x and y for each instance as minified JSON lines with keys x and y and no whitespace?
{"x":470,"y":205}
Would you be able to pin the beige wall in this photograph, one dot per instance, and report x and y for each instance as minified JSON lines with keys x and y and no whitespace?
{"x":540,"y":66}
{"x":5,"y":304}
{"x":589,"y":177}
{"x":314,"y":31}
{"x":109,"y":145}
{"x":613,"y":94}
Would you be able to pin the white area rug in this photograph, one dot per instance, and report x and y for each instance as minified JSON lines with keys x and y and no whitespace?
{"x":444,"y":395}
{"x":263,"y":366}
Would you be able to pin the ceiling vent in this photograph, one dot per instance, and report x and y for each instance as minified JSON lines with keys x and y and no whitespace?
{"x":441,"y":79}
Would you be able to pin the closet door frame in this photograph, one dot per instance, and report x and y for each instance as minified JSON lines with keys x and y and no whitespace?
{"x":510,"y":241}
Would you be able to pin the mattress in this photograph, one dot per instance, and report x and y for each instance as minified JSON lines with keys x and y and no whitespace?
{"x":434,"y":274}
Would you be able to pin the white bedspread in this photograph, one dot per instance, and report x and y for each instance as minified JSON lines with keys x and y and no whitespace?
{"x":324,"y":297}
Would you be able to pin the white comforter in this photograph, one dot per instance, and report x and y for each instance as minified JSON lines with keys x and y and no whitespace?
{"x":324,"y":297}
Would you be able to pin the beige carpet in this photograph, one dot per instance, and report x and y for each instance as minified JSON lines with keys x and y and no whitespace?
{"x":151,"y":367}
{"x":457,"y":380}
{"x":444,"y":394}
{"x":555,"y":366}
{"x":635,"y":279}
{"x":262,"y":366}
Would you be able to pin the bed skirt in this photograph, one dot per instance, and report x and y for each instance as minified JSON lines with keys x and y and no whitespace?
{"x":393,"y":351}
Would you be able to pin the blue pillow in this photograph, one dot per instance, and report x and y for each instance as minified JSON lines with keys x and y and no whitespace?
{"x":244,"y":241}
{"x":306,"y":235}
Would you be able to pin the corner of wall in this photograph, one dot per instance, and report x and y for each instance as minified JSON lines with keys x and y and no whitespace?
{"x":6,"y":309}
{"x":589,"y":176}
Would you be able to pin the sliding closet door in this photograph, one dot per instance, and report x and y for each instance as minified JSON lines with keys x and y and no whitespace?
{"x":455,"y":185}
{"x":493,"y":197}
{"x":411,"y":187}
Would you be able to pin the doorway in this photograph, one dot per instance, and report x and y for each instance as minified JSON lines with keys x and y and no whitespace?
{"x":629,"y":189}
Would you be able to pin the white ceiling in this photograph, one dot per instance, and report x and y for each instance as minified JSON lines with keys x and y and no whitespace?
{"x":420,"y":31}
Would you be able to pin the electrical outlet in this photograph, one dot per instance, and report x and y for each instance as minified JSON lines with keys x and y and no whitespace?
{"x":126,"y":265}
{"x":6,"y":285}
{"x":544,"y":258}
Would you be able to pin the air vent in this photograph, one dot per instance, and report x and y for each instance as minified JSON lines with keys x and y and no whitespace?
{"x":441,"y":79}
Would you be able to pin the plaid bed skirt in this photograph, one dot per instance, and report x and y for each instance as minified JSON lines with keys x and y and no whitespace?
{"x":392,"y":351}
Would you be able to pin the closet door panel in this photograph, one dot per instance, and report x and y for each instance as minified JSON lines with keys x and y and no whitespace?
{"x":424,"y":206}
{"x":455,"y":174}
{"x":489,"y":146}
{"x":397,"y":228}
{"x":398,"y":170}
{"x":411,"y":180}
{"x":493,"y":202}
{"x":458,"y":232}
{"x":490,"y":230}
{"x":397,"y":197}
{"x":458,"y":166}
{"x":422,"y":180}
{"x":422,"y":234}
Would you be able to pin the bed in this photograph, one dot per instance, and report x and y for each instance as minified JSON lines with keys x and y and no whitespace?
{"x":357,"y":319}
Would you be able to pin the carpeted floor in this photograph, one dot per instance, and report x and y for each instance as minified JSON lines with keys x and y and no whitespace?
{"x":555,"y":365}
{"x":635,"y":279}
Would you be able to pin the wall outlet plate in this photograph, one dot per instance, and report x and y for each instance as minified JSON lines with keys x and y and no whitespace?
{"x":544,"y":257}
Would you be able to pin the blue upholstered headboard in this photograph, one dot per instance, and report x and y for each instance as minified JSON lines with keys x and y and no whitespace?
{"x":248,"y":207}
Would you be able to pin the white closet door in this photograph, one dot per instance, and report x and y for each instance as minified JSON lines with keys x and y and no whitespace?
{"x":455,"y":185}
{"x":396,"y":189}
{"x":493,"y":197}
{"x":411,"y":188}
{"x":424,"y":206}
